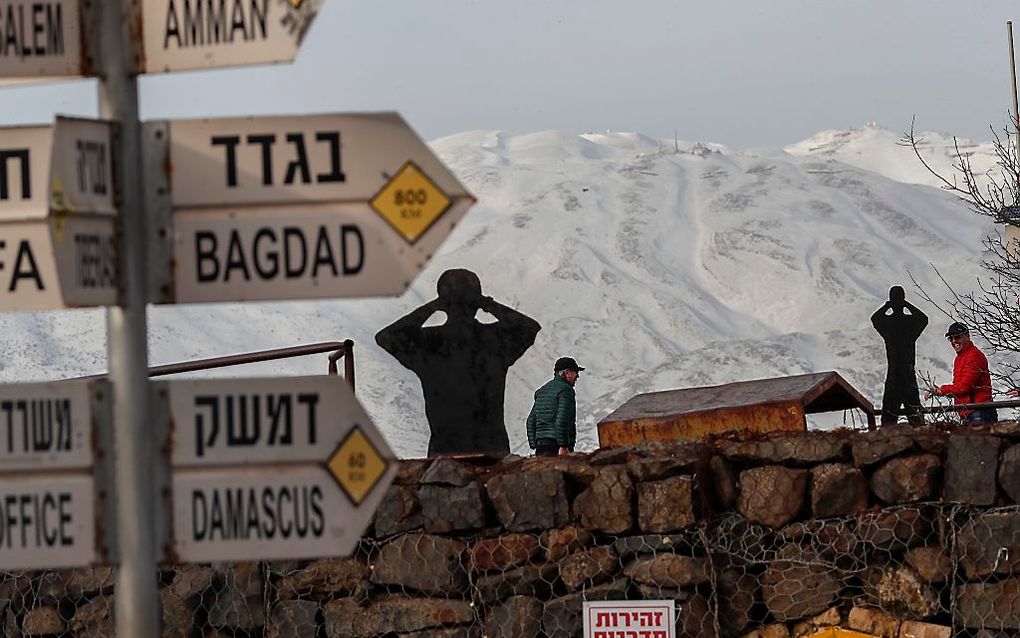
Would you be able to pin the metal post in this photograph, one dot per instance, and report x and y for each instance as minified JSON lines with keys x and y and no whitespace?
{"x":136,"y":612}
{"x":1016,"y":111}
{"x":349,"y":362}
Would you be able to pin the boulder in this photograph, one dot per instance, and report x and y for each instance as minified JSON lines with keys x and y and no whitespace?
{"x":191,"y":581}
{"x":94,"y":619}
{"x":907,"y":479}
{"x":668,"y":570}
{"x":608,"y":503}
{"x":971,"y":465}
{"x":696,"y":619}
{"x":238,"y":606}
{"x":429,"y":564}
{"x":589,"y":566}
{"x":932,"y":564}
{"x":629,"y":546}
{"x":42,"y":621}
{"x":837,"y":490}
{"x":793,"y":592}
{"x":829,"y":618}
{"x":450,"y":472}
{"x":724,"y":483}
{"x":561,"y":617}
{"x":517,"y":617}
{"x":410,"y":471}
{"x":324,"y":579}
{"x":682,"y":460}
{"x":178,"y":615}
{"x":451,"y":509}
{"x":902,"y":591}
{"x":871,"y":447}
{"x":529,"y":580}
{"x":502,"y":552}
{"x":399,"y":512}
{"x":666,"y":505}
{"x":776,"y":630}
{"x":915,"y":629}
{"x":560,"y":542}
{"x":75,"y":585}
{"x":988,"y":605}
{"x":805,"y":448}
{"x":771,"y":495}
{"x":874,"y":622}
{"x":898,"y":528}
{"x":738,"y":592}
{"x":293,"y":619}
{"x":392,"y":613}
{"x":530,"y":500}
{"x":1009,"y":472}
{"x":990,"y":544}
{"x":464,"y":631}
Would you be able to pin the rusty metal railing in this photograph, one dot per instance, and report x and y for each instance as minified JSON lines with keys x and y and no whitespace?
{"x":337,"y":350}
{"x":941,"y":409}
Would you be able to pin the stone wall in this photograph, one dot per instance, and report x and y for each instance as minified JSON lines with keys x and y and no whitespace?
{"x":899,"y":533}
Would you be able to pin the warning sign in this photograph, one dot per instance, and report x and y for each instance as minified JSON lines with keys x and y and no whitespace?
{"x":411,"y":202}
{"x":357,"y":466}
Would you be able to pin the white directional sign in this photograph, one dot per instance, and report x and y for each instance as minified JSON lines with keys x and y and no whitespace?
{"x":57,"y":247}
{"x":40,"y":39}
{"x":305,"y":207}
{"x":48,"y":512}
{"x":199,"y":34}
{"x":272,"y":468}
{"x":45,"y":426}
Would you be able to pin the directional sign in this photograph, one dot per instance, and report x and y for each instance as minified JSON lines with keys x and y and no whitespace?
{"x":48,"y":506}
{"x":45,"y":426}
{"x":64,"y":168}
{"x":305,"y":207}
{"x":40,"y":39}
{"x":272,"y":468}
{"x":57,"y":246}
{"x":199,"y":34}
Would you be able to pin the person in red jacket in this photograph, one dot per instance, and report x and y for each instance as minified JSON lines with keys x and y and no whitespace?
{"x":972,"y":383}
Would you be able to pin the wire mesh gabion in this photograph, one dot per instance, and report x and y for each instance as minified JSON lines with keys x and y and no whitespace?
{"x":514,"y":548}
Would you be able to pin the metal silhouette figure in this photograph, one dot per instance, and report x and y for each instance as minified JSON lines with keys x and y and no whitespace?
{"x":900,"y":323}
{"x":462,"y":364}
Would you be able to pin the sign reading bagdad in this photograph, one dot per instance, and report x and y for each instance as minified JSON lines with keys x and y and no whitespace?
{"x":198,"y":34}
{"x":349,"y":205}
{"x":57,"y":216}
{"x":272,"y":468}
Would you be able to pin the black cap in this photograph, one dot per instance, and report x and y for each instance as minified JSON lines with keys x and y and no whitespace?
{"x":956,"y":328}
{"x":566,"y":363}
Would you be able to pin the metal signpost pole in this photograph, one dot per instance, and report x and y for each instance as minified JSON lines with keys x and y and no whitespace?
{"x":137,"y":601}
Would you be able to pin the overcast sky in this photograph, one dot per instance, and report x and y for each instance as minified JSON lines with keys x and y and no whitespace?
{"x":743,"y":74}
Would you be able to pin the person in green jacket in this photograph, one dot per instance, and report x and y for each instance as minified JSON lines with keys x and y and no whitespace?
{"x":551,"y":426}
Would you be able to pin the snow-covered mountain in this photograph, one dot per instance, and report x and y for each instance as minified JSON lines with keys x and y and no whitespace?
{"x":655,"y":268}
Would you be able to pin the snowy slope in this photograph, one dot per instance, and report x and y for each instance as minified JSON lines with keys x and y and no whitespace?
{"x":656,"y":269}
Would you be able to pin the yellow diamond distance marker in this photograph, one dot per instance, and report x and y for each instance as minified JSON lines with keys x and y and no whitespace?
{"x":411,"y":202}
{"x":356,"y":465}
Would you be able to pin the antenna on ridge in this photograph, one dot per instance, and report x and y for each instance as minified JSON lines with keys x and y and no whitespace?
{"x":676,"y":141}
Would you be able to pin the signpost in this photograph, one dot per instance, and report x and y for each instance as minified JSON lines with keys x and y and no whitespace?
{"x":49,"y":510}
{"x":245,"y":208}
{"x":57,"y":212}
{"x":272,"y":468}
{"x":320,"y":206}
